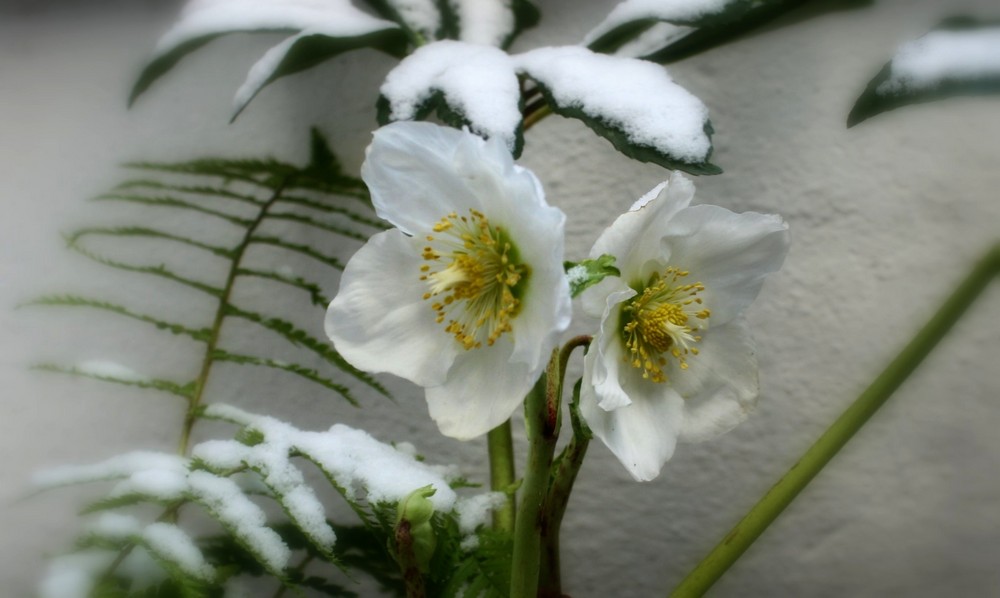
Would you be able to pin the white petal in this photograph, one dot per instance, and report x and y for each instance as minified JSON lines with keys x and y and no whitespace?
{"x":730,"y":253}
{"x":606,"y":356}
{"x":482,"y":391}
{"x":634,"y":238}
{"x":594,"y":300}
{"x":720,"y":385}
{"x":643,"y":434}
{"x":379,"y":321}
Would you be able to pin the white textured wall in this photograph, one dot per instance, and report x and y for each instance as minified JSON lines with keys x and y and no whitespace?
{"x":885,"y":219}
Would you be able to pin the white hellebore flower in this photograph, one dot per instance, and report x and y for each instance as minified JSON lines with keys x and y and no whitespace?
{"x":466,"y":296}
{"x":673,"y":359}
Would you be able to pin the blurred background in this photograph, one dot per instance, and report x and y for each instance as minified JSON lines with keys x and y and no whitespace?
{"x":886,"y":218}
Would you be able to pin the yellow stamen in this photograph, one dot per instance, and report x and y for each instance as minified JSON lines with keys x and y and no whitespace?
{"x":475,"y":269}
{"x":661,"y":322}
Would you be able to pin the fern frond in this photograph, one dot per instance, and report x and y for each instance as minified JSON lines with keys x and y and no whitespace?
{"x":297,"y":248}
{"x":332,"y":228}
{"x":159,"y":270}
{"x":322,"y":207}
{"x":268,"y":173}
{"x":315,"y":292}
{"x":299,"y":337}
{"x":307,"y":373}
{"x":173,"y":202}
{"x":138,"y":231}
{"x":180,"y":390}
{"x":198,"y":334}
{"x":191,"y":190}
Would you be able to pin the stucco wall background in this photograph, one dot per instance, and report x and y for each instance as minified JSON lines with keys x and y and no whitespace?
{"x":885,"y":219}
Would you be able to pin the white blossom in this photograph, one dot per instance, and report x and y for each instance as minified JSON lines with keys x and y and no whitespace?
{"x":673,"y":359}
{"x":466,"y":296}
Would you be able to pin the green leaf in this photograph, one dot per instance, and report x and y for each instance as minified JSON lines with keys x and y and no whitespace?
{"x":745,"y":20}
{"x":315,"y":292}
{"x":190,"y":189}
{"x":181,"y":390}
{"x":158,"y":270}
{"x":331,"y":228}
{"x":138,"y":231}
{"x":173,"y":202}
{"x":306,"y":50}
{"x":304,"y":372}
{"x":618,"y":136}
{"x":301,"y":338}
{"x":887,"y":92}
{"x":199,"y":334}
{"x":297,"y":248}
{"x":587,"y":273}
{"x":379,"y":225}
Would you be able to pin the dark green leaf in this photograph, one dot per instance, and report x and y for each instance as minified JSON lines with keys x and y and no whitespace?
{"x":331,"y":228}
{"x":173,"y":202}
{"x":614,"y":133}
{"x":315,"y":292}
{"x":310,"y":49}
{"x":301,"y":338}
{"x":587,"y":273}
{"x":191,"y":189}
{"x":303,"y":249}
{"x":181,"y":390}
{"x":138,"y":231}
{"x":307,"y":373}
{"x":876,"y":98}
{"x":201,"y":334}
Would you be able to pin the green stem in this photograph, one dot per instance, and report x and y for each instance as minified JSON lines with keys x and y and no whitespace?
{"x":774,"y":502}
{"x":541,"y":448}
{"x":501,"y":449}
{"x":191,"y":417}
{"x":567,"y":466}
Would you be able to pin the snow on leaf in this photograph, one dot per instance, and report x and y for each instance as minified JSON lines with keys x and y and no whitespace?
{"x":959,"y":57}
{"x":172,"y":544}
{"x":632,"y":17}
{"x":632,"y":103}
{"x":489,"y":23}
{"x":468,"y":84}
{"x":313,"y":46}
{"x":120,"y":466}
{"x":204,"y":20}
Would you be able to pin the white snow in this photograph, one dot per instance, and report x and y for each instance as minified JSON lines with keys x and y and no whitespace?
{"x":576,"y":275}
{"x":474,"y":511}
{"x":655,"y":38}
{"x":109,"y":369}
{"x":636,"y":96}
{"x":959,"y":55}
{"x":120,"y":466}
{"x":208,"y":17}
{"x":72,"y":575}
{"x":115,"y":526}
{"x":223,"y":498}
{"x":172,"y":544}
{"x":477,"y":81}
{"x":260,"y":74}
{"x":678,"y":12}
{"x":488,"y":23}
{"x":421,"y":16}
{"x":162,"y":484}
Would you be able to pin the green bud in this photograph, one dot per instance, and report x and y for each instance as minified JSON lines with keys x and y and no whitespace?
{"x":414,"y":533}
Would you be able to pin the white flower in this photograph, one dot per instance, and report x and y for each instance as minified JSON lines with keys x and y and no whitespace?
{"x":673,"y":359}
{"x":466,"y":296}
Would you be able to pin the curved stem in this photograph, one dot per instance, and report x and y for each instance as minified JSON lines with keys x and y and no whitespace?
{"x":774,"y":502}
{"x":501,"y":450}
{"x":535,"y":113}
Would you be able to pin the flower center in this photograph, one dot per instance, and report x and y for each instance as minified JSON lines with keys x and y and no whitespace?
{"x":474,"y":278}
{"x":662,"y":322}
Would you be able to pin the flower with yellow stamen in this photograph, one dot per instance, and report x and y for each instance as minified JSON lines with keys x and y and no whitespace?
{"x":673,"y":359}
{"x":466,"y":295}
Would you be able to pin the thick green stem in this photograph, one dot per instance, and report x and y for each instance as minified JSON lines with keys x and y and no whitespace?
{"x":567,"y":466}
{"x":542,"y":435}
{"x":501,"y":449}
{"x":774,"y":502}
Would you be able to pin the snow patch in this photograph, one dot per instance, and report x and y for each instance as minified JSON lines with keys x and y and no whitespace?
{"x":674,"y":11}
{"x":943,"y":55}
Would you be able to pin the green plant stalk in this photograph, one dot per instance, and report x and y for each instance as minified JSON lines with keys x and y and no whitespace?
{"x":709,"y":570}
{"x":541,"y":448}
{"x":191,"y":417}
{"x":500,"y":445}
{"x":567,"y":466}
